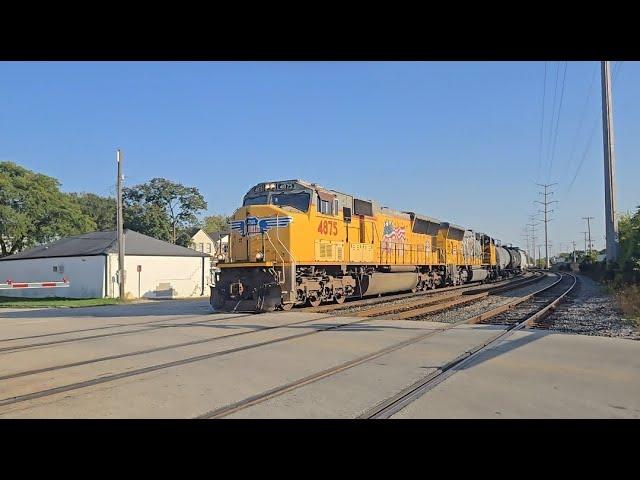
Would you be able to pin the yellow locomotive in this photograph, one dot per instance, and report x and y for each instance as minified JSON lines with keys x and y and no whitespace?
{"x":293,"y":242}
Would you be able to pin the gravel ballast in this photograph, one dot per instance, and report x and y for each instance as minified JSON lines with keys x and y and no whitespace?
{"x":590,"y":310}
{"x":457,"y":314}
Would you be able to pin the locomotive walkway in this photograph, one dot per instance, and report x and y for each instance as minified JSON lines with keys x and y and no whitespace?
{"x":177,"y":360}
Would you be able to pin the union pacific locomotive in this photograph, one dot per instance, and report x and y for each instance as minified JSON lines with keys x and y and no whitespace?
{"x":294,"y":243}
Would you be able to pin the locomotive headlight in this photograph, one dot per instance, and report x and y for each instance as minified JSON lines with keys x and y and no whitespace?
{"x":221,"y":258}
{"x":259,"y":256}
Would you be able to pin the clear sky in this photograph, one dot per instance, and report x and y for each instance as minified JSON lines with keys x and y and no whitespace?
{"x":459,"y":141}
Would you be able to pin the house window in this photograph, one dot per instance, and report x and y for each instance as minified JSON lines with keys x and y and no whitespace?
{"x":208,"y":248}
{"x":202,"y":247}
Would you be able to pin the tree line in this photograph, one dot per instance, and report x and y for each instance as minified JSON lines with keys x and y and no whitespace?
{"x":34,"y":211}
{"x":626,"y":270}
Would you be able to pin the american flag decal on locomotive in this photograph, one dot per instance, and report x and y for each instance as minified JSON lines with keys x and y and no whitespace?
{"x":392,"y":235}
{"x":255,"y":226}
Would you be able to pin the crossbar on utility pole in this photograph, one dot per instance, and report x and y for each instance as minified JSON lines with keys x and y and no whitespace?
{"x":546,"y":203}
{"x":609,"y":165}
{"x":121,"y":273}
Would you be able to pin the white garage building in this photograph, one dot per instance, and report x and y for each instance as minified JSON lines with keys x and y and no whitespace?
{"x":154,"y":269}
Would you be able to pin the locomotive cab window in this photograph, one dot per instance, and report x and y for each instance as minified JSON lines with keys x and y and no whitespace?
{"x":299,"y":201}
{"x":259,"y":200}
{"x":325,"y":206}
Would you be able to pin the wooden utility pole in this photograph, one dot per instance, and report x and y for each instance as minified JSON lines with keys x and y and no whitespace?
{"x":121,"y":273}
{"x":609,"y":165}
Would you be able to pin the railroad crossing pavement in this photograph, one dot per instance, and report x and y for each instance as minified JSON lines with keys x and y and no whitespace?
{"x":537,"y":374}
{"x":177,"y":360}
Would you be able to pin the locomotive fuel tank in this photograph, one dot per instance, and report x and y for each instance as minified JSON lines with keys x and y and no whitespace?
{"x":381,"y":282}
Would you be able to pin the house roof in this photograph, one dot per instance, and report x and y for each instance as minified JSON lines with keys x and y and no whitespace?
{"x":215,"y":236}
{"x":102,"y":243}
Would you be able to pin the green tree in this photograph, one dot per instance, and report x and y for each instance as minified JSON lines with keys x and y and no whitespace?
{"x":162,"y":209}
{"x":215,"y":223}
{"x":101,"y":209}
{"x":34,"y":211}
{"x":629,"y":238}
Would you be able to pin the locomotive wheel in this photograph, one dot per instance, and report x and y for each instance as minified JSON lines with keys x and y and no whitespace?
{"x":339,"y":299}
{"x":313,"y":301}
{"x":286,"y":306}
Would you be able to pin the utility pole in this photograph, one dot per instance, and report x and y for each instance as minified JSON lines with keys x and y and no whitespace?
{"x":546,"y":203}
{"x":589,"y":231}
{"x":574,"y":250}
{"x":533,"y":225}
{"x":609,"y":165}
{"x":585,"y":242}
{"x":121,"y":274}
{"x":539,"y":253}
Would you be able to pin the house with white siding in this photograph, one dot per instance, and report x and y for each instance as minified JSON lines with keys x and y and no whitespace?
{"x":153,"y":268}
{"x":211,"y":243}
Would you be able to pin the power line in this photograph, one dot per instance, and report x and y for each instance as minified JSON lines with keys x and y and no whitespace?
{"x":544,"y":95}
{"x":555,"y":138}
{"x":553,"y":111}
{"x":582,"y":117}
{"x":593,"y":131}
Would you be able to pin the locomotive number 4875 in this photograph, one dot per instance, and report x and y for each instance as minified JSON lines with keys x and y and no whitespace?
{"x":328,"y":227}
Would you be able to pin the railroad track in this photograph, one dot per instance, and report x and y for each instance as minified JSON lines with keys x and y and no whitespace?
{"x":140,"y":371}
{"x":356,"y":305}
{"x":387,"y":406}
{"x":424,"y":306}
{"x":517,"y":315}
{"x":152,"y":325}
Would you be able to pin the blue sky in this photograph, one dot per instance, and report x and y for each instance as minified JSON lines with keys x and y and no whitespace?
{"x":456,"y":140}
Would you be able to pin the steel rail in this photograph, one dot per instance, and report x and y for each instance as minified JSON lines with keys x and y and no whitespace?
{"x":407,"y":396}
{"x":152,"y":368}
{"x":409,"y":310}
{"x":277,"y":391}
{"x":376,"y":301}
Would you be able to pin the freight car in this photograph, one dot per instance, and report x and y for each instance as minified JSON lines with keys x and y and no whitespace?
{"x":293,"y":243}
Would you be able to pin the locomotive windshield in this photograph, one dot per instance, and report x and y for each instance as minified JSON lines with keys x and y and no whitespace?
{"x":298,"y":200}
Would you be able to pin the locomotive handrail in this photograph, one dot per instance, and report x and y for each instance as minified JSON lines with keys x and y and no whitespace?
{"x":293,"y":260}
{"x":278,"y":253}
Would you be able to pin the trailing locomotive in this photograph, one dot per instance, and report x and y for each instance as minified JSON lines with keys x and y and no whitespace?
{"x":293,"y":242}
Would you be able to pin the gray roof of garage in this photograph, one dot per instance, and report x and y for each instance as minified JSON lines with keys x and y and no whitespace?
{"x":102,"y":243}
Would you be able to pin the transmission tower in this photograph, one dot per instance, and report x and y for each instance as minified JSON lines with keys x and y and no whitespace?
{"x":546,"y":212}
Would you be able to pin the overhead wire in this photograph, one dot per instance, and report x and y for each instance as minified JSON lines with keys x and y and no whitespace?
{"x":544,"y":94}
{"x":616,"y":71}
{"x":555,"y":138}
{"x":581,"y":122}
{"x":553,"y":111}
